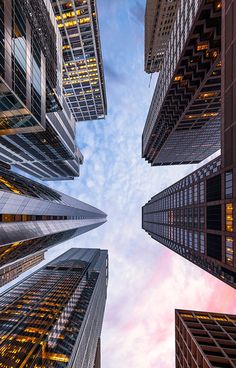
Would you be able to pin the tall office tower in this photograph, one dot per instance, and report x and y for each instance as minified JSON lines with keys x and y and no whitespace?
{"x":205,"y":340}
{"x":48,"y":155}
{"x":159,"y":18}
{"x":53,"y":318}
{"x":45,"y":144}
{"x":196,"y":218}
{"x":29,"y":83}
{"x":15,"y":269}
{"x":34,"y":217}
{"x":186,"y":102}
{"x":83,"y":77}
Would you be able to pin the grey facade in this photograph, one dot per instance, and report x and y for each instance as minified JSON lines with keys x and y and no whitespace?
{"x":159,"y":18}
{"x":63,"y":306}
{"x":186,"y":104}
{"x":34,"y":217}
{"x":83,"y":76}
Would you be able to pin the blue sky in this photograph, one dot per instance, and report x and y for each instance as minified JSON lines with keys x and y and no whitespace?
{"x":147,"y":281}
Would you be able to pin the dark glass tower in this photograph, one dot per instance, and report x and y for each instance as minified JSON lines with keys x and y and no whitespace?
{"x":195,"y":217}
{"x":53,"y":318}
{"x":34,"y":217}
{"x":186,"y":105}
{"x":205,"y":340}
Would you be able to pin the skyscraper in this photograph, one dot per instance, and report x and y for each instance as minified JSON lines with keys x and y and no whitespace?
{"x":29,"y":82}
{"x":34,"y":217}
{"x":83,"y":76}
{"x":37,"y":127}
{"x":205,"y":340}
{"x":48,"y":155}
{"x":13,"y":270}
{"x":159,"y":18}
{"x":186,"y":104}
{"x":195,"y":217}
{"x":53,"y":318}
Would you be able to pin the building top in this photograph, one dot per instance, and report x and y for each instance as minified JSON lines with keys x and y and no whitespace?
{"x":159,"y":18}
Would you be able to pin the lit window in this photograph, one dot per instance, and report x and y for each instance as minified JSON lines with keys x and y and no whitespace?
{"x":229,"y":217}
{"x":229,"y":251}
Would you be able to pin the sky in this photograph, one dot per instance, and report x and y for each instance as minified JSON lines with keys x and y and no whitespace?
{"x":146,"y":280}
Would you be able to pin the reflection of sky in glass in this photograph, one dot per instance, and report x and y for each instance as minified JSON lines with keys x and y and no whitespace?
{"x":146,"y":280}
{"x":19,"y":47}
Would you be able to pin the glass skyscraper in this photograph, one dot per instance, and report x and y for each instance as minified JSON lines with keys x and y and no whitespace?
{"x":53,"y":318}
{"x":34,"y":218}
{"x":186,"y":104}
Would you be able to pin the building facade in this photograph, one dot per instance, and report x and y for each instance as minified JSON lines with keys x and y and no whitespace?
{"x":195,"y":218}
{"x":34,"y":217}
{"x":15,"y":269}
{"x":159,"y":18}
{"x":186,"y":104}
{"x":205,"y":340}
{"x":37,"y":127}
{"x":83,"y":76}
{"x":53,"y":318}
{"x":29,"y":84}
{"x":48,"y":155}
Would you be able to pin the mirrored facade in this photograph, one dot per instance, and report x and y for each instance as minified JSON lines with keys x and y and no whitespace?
{"x":53,"y":318}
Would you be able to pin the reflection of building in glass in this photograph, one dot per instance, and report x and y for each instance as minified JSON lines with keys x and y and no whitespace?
{"x":53,"y":318}
{"x":159,"y":18}
{"x":31,"y":102}
{"x":13,"y":270}
{"x":205,"y":339}
{"x":34,"y":217}
{"x":83,"y":79}
{"x":28,"y":81}
{"x":49,"y":155}
{"x":186,"y":104}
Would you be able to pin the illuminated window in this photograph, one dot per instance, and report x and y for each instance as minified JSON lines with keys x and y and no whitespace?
{"x":229,"y":251}
{"x":229,"y":217}
{"x":202,"y":46}
{"x":178,"y":78}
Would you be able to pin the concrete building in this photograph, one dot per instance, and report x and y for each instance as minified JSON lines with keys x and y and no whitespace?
{"x":205,"y":340}
{"x":53,"y":318}
{"x":83,"y":76}
{"x":186,"y":105}
{"x":159,"y":18}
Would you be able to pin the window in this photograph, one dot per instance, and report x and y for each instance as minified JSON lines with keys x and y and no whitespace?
{"x":195,"y":217}
{"x":214,"y":246}
{"x":190,"y":194}
{"x":229,"y":217}
{"x":202,"y":217}
{"x":201,"y":192}
{"x":228,"y":184}
{"x":195,"y":241}
{"x":214,"y":217}
{"x":195,"y":193}
{"x":202,"y":243}
{"x":214,"y":189}
{"x":229,"y":251}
